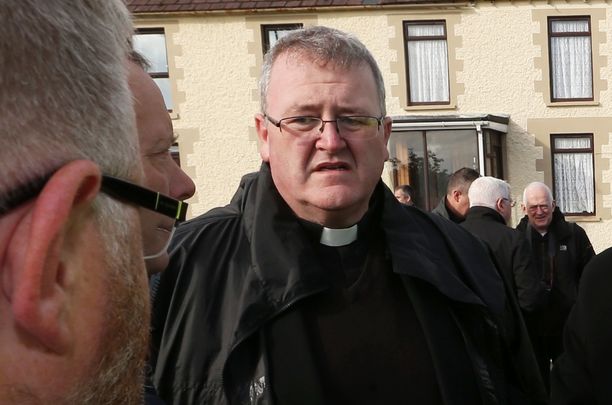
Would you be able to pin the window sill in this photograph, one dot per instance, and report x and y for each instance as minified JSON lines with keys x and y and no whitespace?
{"x":430,"y":107}
{"x":572,"y":104}
{"x":580,"y":218}
{"x":174,"y":115}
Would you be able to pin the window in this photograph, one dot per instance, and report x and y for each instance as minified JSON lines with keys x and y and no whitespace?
{"x":151,"y":43}
{"x":573,"y":168}
{"x":272,"y":33}
{"x":427,"y":67}
{"x":571,"y":69}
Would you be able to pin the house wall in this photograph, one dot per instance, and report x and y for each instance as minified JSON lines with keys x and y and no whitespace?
{"x":498,"y":63}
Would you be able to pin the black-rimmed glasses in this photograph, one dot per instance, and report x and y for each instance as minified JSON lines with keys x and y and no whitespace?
{"x":352,"y":126}
{"x":112,"y":186}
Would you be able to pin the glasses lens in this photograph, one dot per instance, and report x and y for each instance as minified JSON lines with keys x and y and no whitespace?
{"x":157,"y":243}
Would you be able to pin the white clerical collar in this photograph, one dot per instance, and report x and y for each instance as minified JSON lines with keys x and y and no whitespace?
{"x":338,"y":237}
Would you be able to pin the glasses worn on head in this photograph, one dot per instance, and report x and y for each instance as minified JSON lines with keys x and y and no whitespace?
{"x":542,"y":207}
{"x":510,"y":201}
{"x":116,"y":188}
{"x":349,"y":127}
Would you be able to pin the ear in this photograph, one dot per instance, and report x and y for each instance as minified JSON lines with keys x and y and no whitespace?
{"x":499,"y":205}
{"x":553,"y":205}
{"x":262,"y":134}
{"x":457,"y":195}
{"x":37,"y":274}
{"x":524,"y":208}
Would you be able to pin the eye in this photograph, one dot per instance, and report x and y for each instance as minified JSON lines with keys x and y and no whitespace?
{"x":356,"y":123}
{"x":301,"y":123}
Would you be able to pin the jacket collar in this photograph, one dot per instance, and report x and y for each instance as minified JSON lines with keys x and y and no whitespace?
{"x":486,"y":213}
{"x":283,"y":253}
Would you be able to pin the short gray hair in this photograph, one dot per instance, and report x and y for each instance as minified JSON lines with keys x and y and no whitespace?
{"x":485,"y":191}
{"x":64,"y":89}
{"x":324,"y":45}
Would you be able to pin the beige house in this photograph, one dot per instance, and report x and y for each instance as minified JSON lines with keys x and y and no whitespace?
{"x":514,"y":89}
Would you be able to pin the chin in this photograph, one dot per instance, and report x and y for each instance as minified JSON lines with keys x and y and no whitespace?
{"x":157,"y":265}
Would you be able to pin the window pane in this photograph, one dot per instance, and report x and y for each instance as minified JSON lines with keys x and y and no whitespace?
{"x":164,"y":87}
{"x":572,"y":143}
{"x":406,"y":151}
{"x":422,"y":30}
{"x":153,"y":47}
{"x":569,"y":26}
{"x":574,"y":190}
{"x":428,"y":71}
{"x":275,"y":35}
{"x":449,"y":151}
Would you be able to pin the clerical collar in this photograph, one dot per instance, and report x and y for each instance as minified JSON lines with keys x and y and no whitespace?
{"x":338,"y":237}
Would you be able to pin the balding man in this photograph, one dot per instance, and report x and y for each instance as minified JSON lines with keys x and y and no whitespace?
{"x":560,"y":250}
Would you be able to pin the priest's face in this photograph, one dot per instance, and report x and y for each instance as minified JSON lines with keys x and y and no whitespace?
{"x":326,"y":175}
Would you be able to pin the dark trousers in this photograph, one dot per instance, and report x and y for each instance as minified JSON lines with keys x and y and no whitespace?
{"x":546,"y":349}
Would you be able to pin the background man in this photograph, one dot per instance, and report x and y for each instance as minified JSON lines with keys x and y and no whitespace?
{"x":161,"y":173}
{"x":560,"y":251}
{"x":404,"y":194}
{"x":455,"y":204}
{"x":582,"y":373}
{"x":490,"y":212}
{"x":315,"y":279}
{"x":73,"y":301}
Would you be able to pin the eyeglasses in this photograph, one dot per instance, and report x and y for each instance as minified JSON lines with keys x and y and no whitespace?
{"x":348,"y":127}
{"x":511,"y":201}
{"x":116,"y":188}
{"x":542,"y":207}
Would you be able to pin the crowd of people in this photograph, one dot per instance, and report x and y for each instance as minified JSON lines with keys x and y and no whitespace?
{"x":316,"y":284}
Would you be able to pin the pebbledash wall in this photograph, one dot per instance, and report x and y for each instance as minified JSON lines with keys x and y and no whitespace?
{"x":498,"y":63}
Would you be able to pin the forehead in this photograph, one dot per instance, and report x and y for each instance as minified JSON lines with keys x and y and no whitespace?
{"x":537,"y":196}
{"x":315,"y":79}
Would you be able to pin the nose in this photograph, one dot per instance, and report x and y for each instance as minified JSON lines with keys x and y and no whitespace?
{"x":330,"y":138}
{"x":181,"y":185}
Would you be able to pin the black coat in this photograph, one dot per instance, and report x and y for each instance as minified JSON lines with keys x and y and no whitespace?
{"x":583,"y":373}
{"x":236,"y":268}
{"x":511,"y":252}
{"x":572,"y":251}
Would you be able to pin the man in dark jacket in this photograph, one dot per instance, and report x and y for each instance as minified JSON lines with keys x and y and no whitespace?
{"x":455,"y":204}
{"x":560,"y":251}
{"x":488,"y":216}
{"x":315,"y":285}
{"x":582,"y":374}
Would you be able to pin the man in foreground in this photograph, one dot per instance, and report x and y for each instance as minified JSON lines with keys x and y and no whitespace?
{"x":560,"y":250}
{"x":456,"y":203}
{"x":317,"y":286}
{"x":73,"y":301}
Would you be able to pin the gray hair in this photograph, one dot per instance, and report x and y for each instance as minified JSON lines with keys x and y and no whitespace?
{"x":324,"y":45}
{"x":64,"y":93}
{"x":485,"y":191}
{"x":534,"y":186}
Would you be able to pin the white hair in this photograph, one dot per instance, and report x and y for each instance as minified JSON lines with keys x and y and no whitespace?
{"x":537,"y":185}
{"x":486,"y":191}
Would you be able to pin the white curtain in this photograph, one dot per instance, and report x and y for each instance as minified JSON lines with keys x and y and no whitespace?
{"x":427,"y":65}
{"x":574,"y":185}
{"x":571,"y":61}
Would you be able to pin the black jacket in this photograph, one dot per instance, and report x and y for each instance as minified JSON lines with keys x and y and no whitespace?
{"x":236,"y":268}
{"x":511,"y":251}
{"x":571,"y":250}
{"x":583,"y":373}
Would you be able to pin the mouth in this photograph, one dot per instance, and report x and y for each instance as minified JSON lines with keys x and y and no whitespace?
{"x":332,"y":166}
